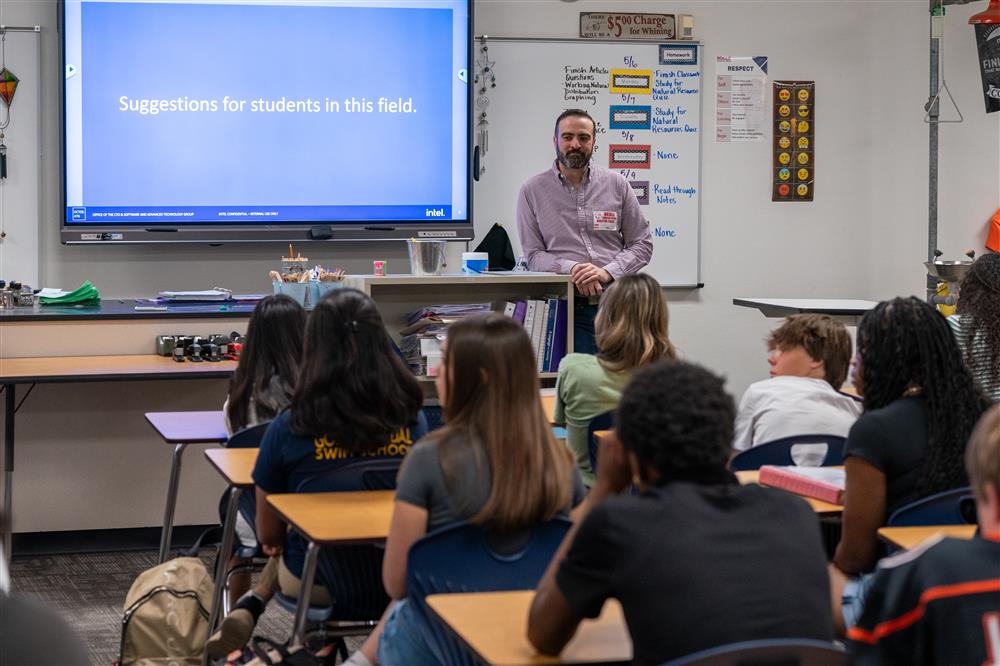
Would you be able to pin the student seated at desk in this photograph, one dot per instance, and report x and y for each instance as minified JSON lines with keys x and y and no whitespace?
{"x":354,"y":398}
{"x":631,"y":331}
{"x":265,"y":377}
{"x":809,"y":355}
{"x":696,"y":560}
{"x":976,"y":323}
{"x":261,"y":388}
{"x":921,"y":403}
{"x":494,"y":463}
{"x":940,"y":602}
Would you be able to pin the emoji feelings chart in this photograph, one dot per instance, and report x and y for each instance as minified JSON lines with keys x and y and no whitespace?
{"x":794,"y":163}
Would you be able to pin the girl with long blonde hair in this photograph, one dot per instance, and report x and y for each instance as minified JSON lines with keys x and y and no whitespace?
{"x":631,"y":331}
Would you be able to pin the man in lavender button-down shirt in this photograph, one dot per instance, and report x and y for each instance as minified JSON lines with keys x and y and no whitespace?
{"x":582,"y":219}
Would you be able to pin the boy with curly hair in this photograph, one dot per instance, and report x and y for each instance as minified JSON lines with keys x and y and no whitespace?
{"x":696,"y":559}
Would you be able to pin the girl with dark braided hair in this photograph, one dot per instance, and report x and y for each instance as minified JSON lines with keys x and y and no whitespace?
{"x":921,"y":404}
{"x":977,"y":323}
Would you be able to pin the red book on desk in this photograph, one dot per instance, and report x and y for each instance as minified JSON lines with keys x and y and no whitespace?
{"x":822,"y":483}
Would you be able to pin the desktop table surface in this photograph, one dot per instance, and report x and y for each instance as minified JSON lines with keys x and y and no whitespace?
{"x":40,"y":369}
{"x":819,"y":506}
{"x":189,"y":427}
{"x":492,"y":624}
{"x":332,"y":518}
{"x":908,"y":537}
{"x":786,"y":306}
{"x":235,"y":465}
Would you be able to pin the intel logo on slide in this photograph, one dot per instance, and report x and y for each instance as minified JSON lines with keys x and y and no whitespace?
{"x":434,"y":212}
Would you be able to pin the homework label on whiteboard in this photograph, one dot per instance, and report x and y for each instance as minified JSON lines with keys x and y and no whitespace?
{"x":607,"y":25}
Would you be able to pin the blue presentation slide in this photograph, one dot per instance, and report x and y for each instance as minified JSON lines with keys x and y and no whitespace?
{"x":270,"y":113}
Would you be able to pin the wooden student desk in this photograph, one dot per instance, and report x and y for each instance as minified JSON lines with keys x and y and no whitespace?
{"x":330,"y":519}
{"x":908,"y":537}
{"x":236,"y":467}
{"x":493,"y":626}
{"x":181,"y":429}
{"x":549,"y":405}
{"x":72,"y":369}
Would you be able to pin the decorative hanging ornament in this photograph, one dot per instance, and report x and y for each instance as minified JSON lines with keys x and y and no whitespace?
{"x":8,"y":85}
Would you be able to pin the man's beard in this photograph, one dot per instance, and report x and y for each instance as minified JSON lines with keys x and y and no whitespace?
{"x":574,"y":159}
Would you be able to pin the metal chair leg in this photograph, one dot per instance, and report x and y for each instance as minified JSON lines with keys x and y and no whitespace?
{"x":305,"y":591}
{"x":168,"y":513}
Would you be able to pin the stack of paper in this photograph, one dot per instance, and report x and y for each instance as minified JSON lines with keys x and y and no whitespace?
{"x":85,"y":293}
{"x":420,"y":342}
{"x":208,"y":295}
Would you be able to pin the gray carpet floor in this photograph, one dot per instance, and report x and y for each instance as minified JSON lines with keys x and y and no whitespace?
{"x":89,"y":591}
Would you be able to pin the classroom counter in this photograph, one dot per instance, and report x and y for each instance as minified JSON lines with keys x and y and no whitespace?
{"x":109,"y":309}
{"x":85,"y":457}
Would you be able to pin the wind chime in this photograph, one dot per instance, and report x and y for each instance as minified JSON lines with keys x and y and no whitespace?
{"x":8,"y":85}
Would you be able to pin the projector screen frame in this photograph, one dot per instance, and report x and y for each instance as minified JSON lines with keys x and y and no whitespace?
{"x":312,"y":230}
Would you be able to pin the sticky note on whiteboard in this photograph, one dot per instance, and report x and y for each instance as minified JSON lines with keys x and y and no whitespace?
{"x":629,"y":156}
{"x":630,"y":117}
{"x":636,"y":81}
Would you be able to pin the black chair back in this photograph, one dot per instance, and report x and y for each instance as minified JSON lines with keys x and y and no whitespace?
{"x":779,"y":452}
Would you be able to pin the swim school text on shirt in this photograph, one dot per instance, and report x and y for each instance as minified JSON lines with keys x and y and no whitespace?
{"x":398,"y":446}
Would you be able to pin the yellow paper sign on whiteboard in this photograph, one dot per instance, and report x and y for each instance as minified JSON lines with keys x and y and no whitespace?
{"x":636,"y":81}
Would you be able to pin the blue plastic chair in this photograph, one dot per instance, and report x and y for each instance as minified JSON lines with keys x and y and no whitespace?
{"x":352,"y":574}
{"x":434,"y":415}
{"x":779,"y":452}
{"x":948,"y":508}
{"x":466,"y":558}
{"x":768,"y":652}
{"x":603,"y":421}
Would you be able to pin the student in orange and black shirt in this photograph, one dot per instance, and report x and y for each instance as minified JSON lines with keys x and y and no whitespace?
{"x":940,"y":603}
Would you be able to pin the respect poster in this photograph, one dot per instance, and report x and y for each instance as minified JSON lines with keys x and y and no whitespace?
{"x":740,"y":96}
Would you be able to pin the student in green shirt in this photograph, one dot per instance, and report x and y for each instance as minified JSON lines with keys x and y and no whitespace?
{"x":631,"y":331}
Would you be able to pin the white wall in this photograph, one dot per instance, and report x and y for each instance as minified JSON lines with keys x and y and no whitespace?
{"x":897,"y":82}
{"x":863,"y":237}
{"x":750,"y":246}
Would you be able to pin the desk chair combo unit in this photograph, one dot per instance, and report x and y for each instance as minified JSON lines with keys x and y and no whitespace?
{"x":351,"y":570}
{"x":182,"y":429}
{"x":951,"y":507}
{"x":235,"y":463}
{"x":465,"y":558}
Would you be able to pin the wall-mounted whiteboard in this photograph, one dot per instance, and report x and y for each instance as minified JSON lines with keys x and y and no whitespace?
{"x":646,"y":99}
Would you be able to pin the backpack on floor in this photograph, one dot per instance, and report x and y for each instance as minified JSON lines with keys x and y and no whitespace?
{"x":166,"y":615}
